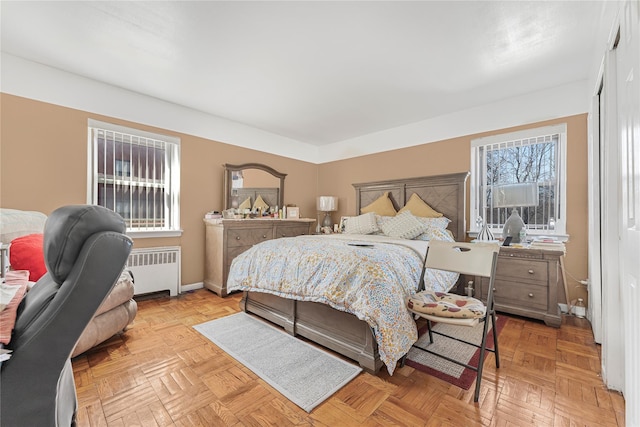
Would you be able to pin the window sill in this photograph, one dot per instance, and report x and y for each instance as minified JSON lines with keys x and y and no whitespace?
{"x":153,"y":234}
{"x":498,"y":233}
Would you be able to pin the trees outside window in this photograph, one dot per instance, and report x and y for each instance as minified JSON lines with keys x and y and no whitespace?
{"x":531,"y":156}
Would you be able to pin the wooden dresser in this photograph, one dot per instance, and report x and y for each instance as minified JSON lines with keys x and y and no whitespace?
{"x":227,"y":238}
{"x":529,"y":282}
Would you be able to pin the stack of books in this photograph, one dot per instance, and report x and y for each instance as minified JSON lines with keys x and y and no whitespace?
{"x":213,"y":215}
{"x":547,"y":243}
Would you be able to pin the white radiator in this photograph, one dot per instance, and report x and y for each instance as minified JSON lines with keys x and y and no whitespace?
{"x":155,"y":269}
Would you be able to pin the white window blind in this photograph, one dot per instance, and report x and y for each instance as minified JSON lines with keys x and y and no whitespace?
{"x":135,"y":174}
{"x":531,"y":156}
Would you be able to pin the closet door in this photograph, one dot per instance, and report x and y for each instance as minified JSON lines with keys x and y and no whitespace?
{"x":628,"y":112}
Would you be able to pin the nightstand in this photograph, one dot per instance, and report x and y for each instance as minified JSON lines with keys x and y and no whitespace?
{"x":528,"y":282}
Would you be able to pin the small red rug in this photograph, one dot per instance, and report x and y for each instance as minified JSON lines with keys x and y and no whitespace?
{"x":443,"y":369}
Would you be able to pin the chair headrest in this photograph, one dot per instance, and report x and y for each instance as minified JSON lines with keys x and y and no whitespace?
{"x":67,"y":229}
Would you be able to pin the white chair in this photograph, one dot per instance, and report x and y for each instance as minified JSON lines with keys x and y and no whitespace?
{"x":476,"y":259}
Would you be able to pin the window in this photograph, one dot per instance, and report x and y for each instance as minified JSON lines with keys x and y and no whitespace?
{"x":136,"y":174}
{"x":531,"y":156}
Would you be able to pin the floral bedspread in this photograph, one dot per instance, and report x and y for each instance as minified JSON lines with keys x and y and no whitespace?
{"x":368,"y":276}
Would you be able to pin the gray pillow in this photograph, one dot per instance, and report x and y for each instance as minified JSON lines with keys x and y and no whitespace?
{"x":404,"y":226}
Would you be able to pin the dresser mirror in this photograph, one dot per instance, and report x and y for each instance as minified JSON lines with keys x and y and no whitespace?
{"x":250,"y":181}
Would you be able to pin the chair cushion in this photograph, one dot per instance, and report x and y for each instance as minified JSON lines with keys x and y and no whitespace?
{"x":443,"y":304}
{"x":122,"y":292}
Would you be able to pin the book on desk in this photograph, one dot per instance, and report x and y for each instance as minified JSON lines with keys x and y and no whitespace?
{"x":548,"y":243}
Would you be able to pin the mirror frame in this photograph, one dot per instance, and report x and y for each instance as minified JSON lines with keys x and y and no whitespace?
{"x":229,"y":169}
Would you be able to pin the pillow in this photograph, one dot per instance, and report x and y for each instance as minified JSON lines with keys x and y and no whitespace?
{"x":362,"y":224}
{"x":419,"y":207}
{"x":382,"y":206}
{"x":436,"y":229}
{"x":27,"y":253}
{"x":382,"y":220}
{"x":436,"y":234}
{"x":404,"y":226}
{"x":246,"y":204}
{"x":441,"y":222}
{"x":259,"y":203}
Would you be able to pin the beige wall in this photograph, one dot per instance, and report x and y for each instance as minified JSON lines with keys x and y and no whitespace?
{"x":454,"y":155}
{"x":43,"y":155}
{"x":43,"y":165}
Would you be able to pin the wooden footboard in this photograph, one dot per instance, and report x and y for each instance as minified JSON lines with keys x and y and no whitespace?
{"x":341,"y":332}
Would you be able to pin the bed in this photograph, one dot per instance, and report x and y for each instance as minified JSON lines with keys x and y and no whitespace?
{"x":329,"y":324}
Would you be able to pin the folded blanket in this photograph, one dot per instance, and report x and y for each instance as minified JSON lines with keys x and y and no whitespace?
{"x":16,"y":284}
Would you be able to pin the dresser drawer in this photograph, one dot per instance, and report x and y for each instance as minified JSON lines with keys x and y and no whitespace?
{"x":248,"y":236}
{"x":291,"y":231}
{"x":234,"y":251}
{"x":528,"y":270}
{"x":517,"y":294}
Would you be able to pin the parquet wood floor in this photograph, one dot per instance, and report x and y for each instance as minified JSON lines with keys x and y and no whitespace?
{"x":161,"y":372}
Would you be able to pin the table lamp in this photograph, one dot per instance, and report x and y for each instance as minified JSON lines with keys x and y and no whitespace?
{"x":327,"y":204}
{"x":515,"y":196}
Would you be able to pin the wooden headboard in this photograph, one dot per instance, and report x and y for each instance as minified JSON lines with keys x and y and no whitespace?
{"x":444,"y":193}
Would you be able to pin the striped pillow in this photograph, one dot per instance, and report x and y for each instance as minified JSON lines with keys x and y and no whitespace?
{"x":361,"y":224}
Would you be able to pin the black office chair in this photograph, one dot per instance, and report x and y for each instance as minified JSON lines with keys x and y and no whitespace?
{"x":85,"y":250}
{"x":476,"y":259}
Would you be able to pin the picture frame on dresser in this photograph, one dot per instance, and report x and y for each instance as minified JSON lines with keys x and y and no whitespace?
{"x":343,"y":224}
{"x":293,"y":212}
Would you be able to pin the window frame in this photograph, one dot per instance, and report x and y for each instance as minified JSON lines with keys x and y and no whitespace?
{"x":559,"y":230}
{"x":171,"y":179}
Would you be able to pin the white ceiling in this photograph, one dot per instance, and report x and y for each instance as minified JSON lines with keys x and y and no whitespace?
{"x":315,"y":72}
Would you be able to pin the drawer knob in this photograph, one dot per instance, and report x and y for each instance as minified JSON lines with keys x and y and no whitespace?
{"x":530,"y":271}
{"x":264,"y":236}
{"x":530,"y":295}
{"x":237,"y":237}
{"x":284,"y":235}
{"x":510,"y":254}
{"x":495,"y":290}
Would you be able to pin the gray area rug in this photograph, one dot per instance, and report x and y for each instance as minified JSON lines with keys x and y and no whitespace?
{"x":303,"y":373}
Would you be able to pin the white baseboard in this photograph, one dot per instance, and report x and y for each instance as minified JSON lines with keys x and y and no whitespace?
{"x":576,"y":311}
{"x":191,"y":287}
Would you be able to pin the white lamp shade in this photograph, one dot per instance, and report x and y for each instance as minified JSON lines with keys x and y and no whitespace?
{"x":514,"y":195}
{"x":327,"y":203}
